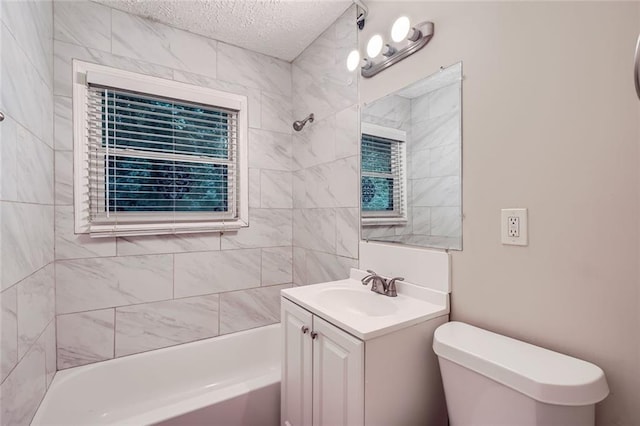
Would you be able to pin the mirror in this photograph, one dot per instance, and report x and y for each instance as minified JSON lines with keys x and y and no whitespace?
{"x":411,"y":155}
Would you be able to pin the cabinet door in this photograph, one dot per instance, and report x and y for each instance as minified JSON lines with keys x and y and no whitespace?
{"x":296,"y":365}
{"x":338,"y":377}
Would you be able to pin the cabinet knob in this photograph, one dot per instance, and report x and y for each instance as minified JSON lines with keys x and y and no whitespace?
{"x":314,"y":334}
{"x":305,"y":329}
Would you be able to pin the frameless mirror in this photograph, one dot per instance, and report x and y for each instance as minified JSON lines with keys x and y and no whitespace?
{"x":411,"y":146}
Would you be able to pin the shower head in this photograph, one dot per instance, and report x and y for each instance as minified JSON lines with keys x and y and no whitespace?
{"x":298,"y":125}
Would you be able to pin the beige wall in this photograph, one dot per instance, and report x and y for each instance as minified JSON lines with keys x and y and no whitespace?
{"x":550,"y":123}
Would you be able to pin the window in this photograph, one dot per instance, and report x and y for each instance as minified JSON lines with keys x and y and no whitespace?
{"x":383,"y":179}
{"x":155,"y":156}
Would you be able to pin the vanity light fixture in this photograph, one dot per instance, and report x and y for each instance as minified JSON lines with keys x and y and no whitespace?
{"x":400,"y":29}
{"x":374,"y":47}
{"x":353,"y":60}
{"x":408,"y":40}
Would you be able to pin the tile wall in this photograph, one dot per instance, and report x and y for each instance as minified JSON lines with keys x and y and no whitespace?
{"x":119,"y":296}
{"x":27,"y":326}
{"x":325,"y":153}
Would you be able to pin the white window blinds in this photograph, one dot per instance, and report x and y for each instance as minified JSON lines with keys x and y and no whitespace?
{"x":156,"y":164}
{"x":383,"y":180}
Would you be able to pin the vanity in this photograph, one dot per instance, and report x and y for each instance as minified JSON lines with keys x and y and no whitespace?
{"x":354,"y":357}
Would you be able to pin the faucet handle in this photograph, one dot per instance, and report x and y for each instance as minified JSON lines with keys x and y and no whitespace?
{"x":391,"y":286}
{"x":369,"y":277}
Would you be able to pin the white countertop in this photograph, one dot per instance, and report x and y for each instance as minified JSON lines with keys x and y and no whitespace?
{"x":413,"y":305}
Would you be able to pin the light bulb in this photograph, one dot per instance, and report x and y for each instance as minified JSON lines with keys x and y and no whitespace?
{"x":353,"y":60}
{"x":374,"y":47}
{"x":400,"y":29}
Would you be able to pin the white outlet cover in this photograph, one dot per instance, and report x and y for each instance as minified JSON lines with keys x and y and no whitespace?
{"x":521,"y":214}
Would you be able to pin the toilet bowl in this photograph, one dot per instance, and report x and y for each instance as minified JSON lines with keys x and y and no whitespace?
{"x":493,"y":380}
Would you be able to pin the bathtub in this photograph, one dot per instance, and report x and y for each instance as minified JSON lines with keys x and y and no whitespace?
{"x":228,"y":380}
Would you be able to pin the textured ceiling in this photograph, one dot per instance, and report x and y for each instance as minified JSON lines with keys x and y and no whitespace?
{"x":280,"y":28}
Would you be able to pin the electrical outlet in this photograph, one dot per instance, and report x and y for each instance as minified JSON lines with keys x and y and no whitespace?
{"x":514,"y":227}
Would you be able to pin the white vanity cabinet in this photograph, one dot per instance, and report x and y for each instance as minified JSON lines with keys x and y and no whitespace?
{"x":323,"y":372}
{"x":332,"y":378}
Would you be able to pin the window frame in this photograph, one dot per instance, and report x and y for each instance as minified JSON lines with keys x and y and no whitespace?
{"x":85,"y":73}
{"x":380,"y":217}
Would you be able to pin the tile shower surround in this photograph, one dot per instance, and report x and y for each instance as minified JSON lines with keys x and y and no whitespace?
{"x":119,"y":296}
{"x":27,"y":303}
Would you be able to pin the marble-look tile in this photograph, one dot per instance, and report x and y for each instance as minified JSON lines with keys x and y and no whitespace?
{"x":326,"y":88}
{"x":375,"y":232}
{"x":347,"y":139}
{"x":157,"y":325}
{"x":299,"y":266}
{"x":27,"y":240}
{"x":421,"y":220}
{"x":391,"y":111}
{"x":269,"y":150}
{"x":214,"y":272}
{"x":254,"y":96}
{"x":420,"y":109}
{"x":31,"y":24}
{"x":333,"y":184}
{"x":299,"y":189}
{"x":35,"y":169}
{"x":446,"y":222}
{"x":252,"y":69}
{"x":22,"y":391}
{"x":277,"y":265}
{"x":315,"y":229}
{"x":445,"y":77}
{"x":62,"y":124}
{"x":9,"y":331}
{"x":85,"y":23}
{"x":86,"y":284}
{"x":276,"y":113}
{"x":347,"y":232}
{"x":142,"y":39}
{"x":70,"y":245}
{"x":439,"y":191}
{"x":9,"y":159}
{"x":442,"y":130}
{"x":315,"y":144}
{"x":267,"y":228}
{"x":276,"y":189}
{"x":322,"y":267}
{"x":85,"y":337}
{"x":179,"y":243}
{"x":64,"y":178}
{"x":419,"y":164}
{"x":254,"y":188}
{"x":445,"y":160}
{"x":378,"y":232}
{"x":48,"y":343}
{"x":64,"y":53}
{"x":36,"y":306}
{"x":33,"y":112}
{"x":444,"y":101}
{"x":241,"y":310}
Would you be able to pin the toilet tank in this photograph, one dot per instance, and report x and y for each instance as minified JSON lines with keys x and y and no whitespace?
{"x":490,"y":379}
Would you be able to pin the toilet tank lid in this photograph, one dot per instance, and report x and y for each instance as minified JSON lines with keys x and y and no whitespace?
{"x":539,"y":373}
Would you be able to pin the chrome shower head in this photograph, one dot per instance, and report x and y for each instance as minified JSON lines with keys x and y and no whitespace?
{"x":298,"y":125}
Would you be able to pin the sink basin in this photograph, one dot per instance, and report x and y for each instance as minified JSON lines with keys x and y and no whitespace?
{"x":349,"y":305}
{"x":356,"y":302}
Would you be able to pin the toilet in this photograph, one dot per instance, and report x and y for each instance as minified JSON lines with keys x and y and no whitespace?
{"x":493,"y":380}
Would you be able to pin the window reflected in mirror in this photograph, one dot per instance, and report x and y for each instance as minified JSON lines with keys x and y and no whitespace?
{"x":410,"y":148}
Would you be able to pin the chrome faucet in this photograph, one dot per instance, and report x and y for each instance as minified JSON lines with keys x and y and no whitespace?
{"x":380,"y":284}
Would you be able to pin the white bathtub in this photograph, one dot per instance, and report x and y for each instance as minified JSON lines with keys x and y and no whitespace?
{"x":228,"y":380}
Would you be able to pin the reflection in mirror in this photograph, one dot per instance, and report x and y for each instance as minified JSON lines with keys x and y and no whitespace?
{"x":411,"y":148}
